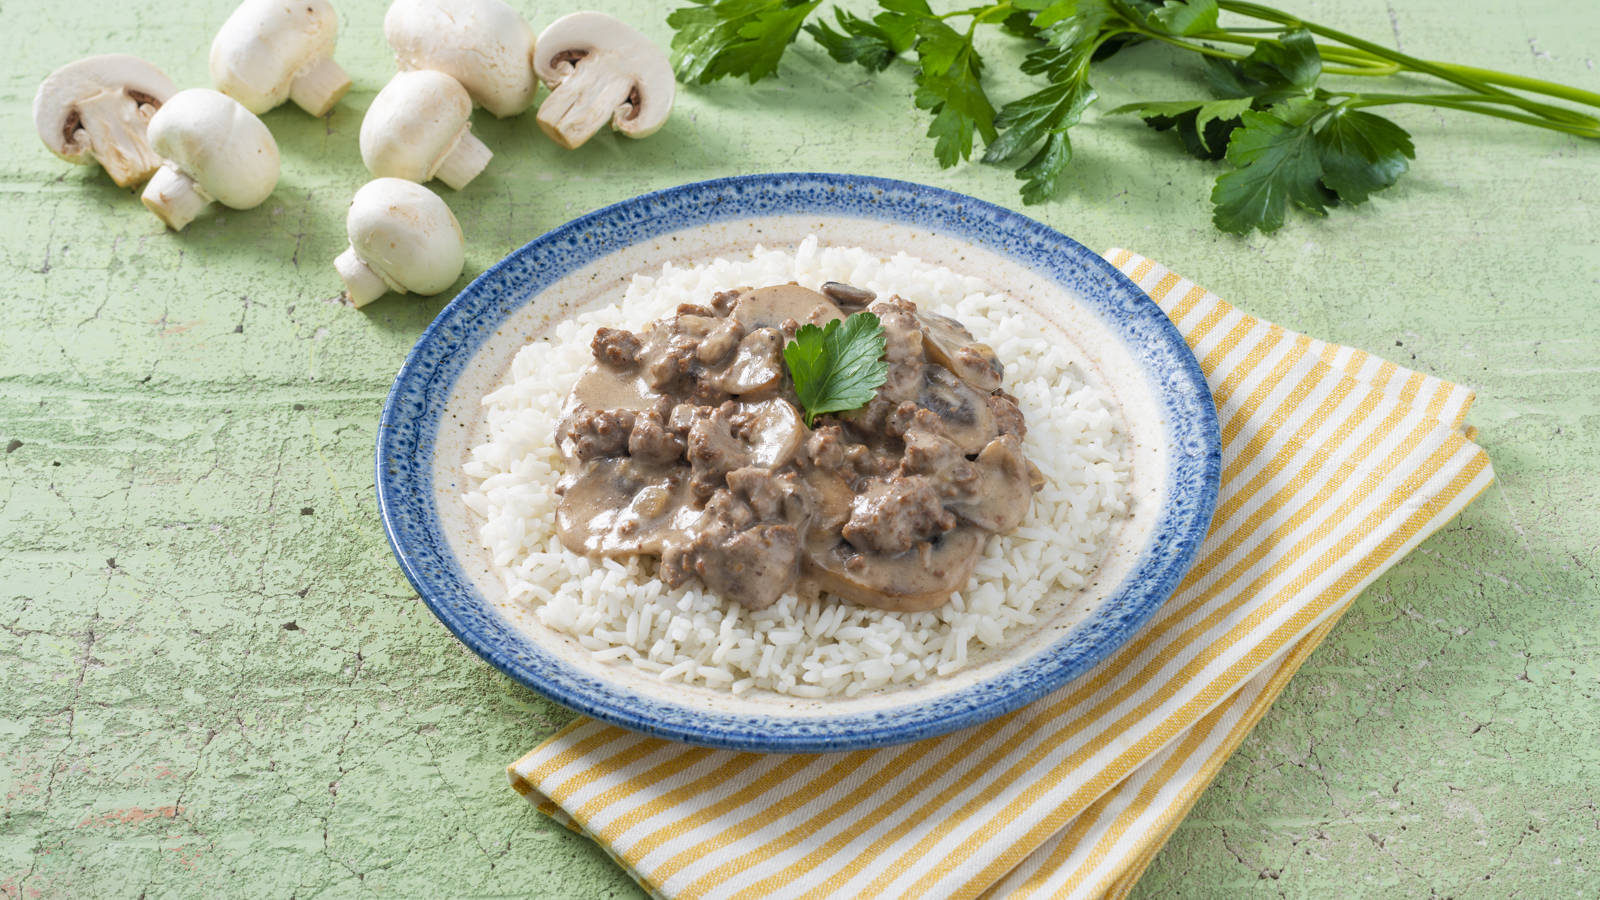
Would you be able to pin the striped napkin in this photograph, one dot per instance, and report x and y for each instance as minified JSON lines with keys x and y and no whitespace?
{"x":1335,"y":464}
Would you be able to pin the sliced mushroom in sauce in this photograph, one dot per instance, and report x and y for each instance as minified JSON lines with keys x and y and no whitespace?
{"x":684,"y":443}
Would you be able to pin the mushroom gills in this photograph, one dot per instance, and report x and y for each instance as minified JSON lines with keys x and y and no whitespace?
{"x":963,"y":413}
{"x":949,"y":343}
{"x":98,"y":109}
{"x":115,"y":124}
{"x":595,"y":92}
{"x":598,"y":68}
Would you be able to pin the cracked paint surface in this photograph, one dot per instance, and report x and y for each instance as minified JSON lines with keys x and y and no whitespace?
{"x":216,"y":680}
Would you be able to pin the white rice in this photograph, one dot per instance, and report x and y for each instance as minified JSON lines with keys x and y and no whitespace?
{"x":802,"y":647}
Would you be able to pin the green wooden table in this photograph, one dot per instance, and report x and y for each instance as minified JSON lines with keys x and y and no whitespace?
{"x":214,"y":679}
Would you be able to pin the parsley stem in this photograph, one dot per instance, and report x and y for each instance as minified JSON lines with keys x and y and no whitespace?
{"x":1545,"y":111}
{"x":1363,"y":69}
{"x":978,"y":13}
{"x":1458,"y":75}
{"x":1359,"y":63}
{"x":1456,"y":101}
{"x":1506,"y":79}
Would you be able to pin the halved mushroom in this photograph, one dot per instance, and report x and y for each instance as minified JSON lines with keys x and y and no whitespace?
{"x":484,"y":44}
{"x":603,"y":387}
{"x":598,"y":68}
{"x":963,"y":412}
{"x":949,"y":343}
{"x":757,"y":365}
{"x":270,"y":51}
{"x":848,"y":296}
{"x":736,"y":435}
{"x":999,"y":497}
{"x":98,"y":110}
{"x":922,"y":578}
{"x":770,"y":307}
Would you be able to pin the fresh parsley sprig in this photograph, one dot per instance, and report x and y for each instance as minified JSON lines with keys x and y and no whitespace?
{"x":838,"y":367}
{"x":1289,"y":141}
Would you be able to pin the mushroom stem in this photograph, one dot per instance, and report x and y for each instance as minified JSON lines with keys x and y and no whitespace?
{"x":361,"y":284}
{"x":464,"y":161}
{"x":596,"y":90}
{"x":175,"y":197}
{"x":319,"y":87}
{"x":114,"y":130}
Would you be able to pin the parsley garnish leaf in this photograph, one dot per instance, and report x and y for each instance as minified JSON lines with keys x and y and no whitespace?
{"x":838,"y":367}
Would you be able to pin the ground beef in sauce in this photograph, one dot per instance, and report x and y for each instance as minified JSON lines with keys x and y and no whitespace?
{"x":684,"y":442}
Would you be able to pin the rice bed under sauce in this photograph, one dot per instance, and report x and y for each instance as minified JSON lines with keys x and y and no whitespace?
{"x":803,"y":647}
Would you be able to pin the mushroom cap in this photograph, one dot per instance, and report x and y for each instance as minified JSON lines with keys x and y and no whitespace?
{"x":412,"y":123}
{"x":484,"y":44}
{"x":567,"y":39}
{"x":407,"y":234}
{"x":55,"y":106}
{"x":214,"y":140}
{"x":264,"y":44}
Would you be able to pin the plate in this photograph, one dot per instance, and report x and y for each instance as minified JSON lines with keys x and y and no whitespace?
{"x":433,"y":417}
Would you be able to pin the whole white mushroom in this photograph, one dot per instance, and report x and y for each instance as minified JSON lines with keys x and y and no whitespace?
{"x":270,"y":51}
{"x":484,"y":44}
{"x":403,"y":238}
{"x":599,"y":69}
{"x":418,"y":127}
{"x":98,"y":110}
{"x":212,"y":149}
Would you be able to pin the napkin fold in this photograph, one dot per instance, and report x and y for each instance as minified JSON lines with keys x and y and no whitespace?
{"x":1336,"y":463}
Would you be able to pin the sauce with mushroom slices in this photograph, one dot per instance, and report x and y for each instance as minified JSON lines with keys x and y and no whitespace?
{"x":685,"y":443}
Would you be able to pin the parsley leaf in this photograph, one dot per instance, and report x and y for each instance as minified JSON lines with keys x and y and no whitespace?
{"x":950,"y":85}
{"x":838,"y":367}
{"x":1203,"y":125}
{"x":857,"y":41}
{"x":718,"y":38}
{"x":1361,"y":153}
{"x":1277,"y":163}
{"x":1289,"y":140}
{"x":1284,"y":67}
{"x":1185,"y":18}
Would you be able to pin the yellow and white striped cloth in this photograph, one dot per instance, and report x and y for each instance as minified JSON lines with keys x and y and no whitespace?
{"x":1335,"y":464}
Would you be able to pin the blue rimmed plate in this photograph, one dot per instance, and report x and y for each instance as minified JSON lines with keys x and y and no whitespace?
{"x":432,"y":418}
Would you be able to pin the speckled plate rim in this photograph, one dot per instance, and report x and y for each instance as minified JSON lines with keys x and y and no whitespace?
{"x":413,"y":411}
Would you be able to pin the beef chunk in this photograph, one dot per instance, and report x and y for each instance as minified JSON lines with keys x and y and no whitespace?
{"x":770,"y":496}
{"x":743,"y":559}
{"x":592,"y":433}
{"x":1007,"y":417}
{"x":651,"y":441}
{"x":895,"y":513}
{"x":825,"y":448}
{"x":616,"y":347}
{"x":753,"y":567}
